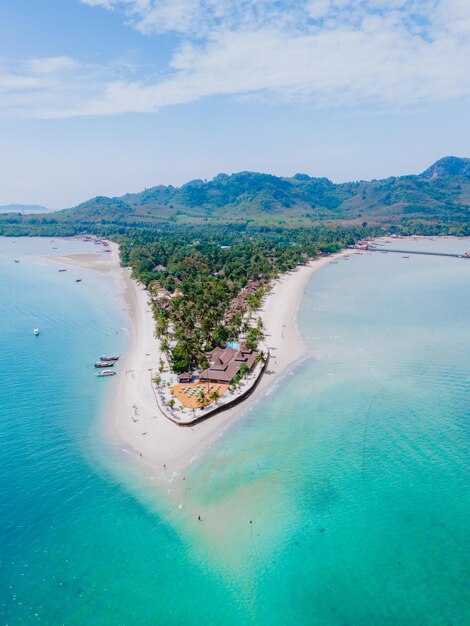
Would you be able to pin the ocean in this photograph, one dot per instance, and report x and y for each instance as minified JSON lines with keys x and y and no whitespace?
{"x":340,"y":498}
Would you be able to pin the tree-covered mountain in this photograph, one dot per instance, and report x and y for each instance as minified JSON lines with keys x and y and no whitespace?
{"x":441,"y":192}
{"x":435,"y":201}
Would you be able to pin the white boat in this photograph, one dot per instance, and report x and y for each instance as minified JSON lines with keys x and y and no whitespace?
{"x":106,"y":373}
{"x":36,"y":331}
{"x":107,"y":357}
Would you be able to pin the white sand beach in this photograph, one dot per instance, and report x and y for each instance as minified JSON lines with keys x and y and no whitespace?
{"x":135,"y":422}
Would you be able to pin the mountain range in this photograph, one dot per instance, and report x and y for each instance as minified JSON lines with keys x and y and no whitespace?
{"x":440,"y":192}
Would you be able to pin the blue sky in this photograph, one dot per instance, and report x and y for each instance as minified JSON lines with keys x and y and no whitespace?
{"x":110,"y":96}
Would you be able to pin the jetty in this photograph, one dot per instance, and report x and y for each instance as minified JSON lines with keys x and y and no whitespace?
{"x":372,"y":248}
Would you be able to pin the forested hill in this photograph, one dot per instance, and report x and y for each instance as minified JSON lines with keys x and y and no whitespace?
{"x":437,"y":201}
{"x":442,"y":193}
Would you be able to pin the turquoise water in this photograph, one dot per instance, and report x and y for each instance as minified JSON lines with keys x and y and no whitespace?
{"x":353,"y":472}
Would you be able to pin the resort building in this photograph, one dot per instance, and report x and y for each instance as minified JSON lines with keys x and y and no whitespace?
{"x":225,"y":363}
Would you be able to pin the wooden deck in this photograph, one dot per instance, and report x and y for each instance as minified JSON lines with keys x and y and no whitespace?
{"x":189,"y":396}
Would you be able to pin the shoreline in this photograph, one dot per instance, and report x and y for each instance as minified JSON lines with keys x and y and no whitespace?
{"x":156,"y":449}
{"x":133,"y":422}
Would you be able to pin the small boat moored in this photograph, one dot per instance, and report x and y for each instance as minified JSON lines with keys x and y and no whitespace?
{"x":78,"y":280}
{"x":106,"y":373}
{"x":106,"y":357}
{"x":36,"y":331}
{"x":104,"y":364}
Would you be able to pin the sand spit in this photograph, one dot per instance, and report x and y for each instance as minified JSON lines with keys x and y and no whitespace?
{"x":134,"y":421}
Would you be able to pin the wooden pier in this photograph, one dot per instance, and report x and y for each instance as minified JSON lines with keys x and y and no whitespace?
{"x":394,"y":250}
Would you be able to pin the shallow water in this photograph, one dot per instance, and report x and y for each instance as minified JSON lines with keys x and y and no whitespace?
{"x":353,"y":472}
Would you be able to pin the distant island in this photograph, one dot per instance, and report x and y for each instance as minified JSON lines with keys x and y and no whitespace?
{"x":24,"y":209}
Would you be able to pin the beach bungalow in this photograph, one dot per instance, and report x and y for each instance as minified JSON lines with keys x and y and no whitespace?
{"x":185,"y":377}
{"x":163,"y":293}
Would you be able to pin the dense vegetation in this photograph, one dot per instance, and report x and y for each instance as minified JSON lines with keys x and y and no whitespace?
{"x":207,"y":250}
{"x":207,"y":282}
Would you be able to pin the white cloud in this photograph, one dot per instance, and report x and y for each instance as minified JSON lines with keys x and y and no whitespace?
{"x":50,"y":86}
{"x":318,"y":8}
{"x":327,"y":52}
{"x":199,"y":17}
{"x":51,"y":65}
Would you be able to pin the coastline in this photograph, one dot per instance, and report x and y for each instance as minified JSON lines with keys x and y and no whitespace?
{"x":280,"y":465}
{"x":133,"y":422}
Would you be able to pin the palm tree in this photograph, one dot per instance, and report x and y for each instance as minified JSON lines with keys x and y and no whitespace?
{"x":261,"y":357}
{"x":215,"y":395}
{"x":202,"y":398}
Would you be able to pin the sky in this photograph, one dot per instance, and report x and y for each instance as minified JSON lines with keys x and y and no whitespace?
{"x":104,"y":97}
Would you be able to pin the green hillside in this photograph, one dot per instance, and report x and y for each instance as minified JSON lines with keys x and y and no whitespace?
{"x":438,"y":196}
{"x":441,"y":192}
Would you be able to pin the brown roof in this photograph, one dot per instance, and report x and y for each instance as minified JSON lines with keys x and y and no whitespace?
{"x":245,"y":355}
{"x":225,"y":363}
{"x":224,"y":376}
{"x":185,"y":376}
{"x":214,"y":353}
